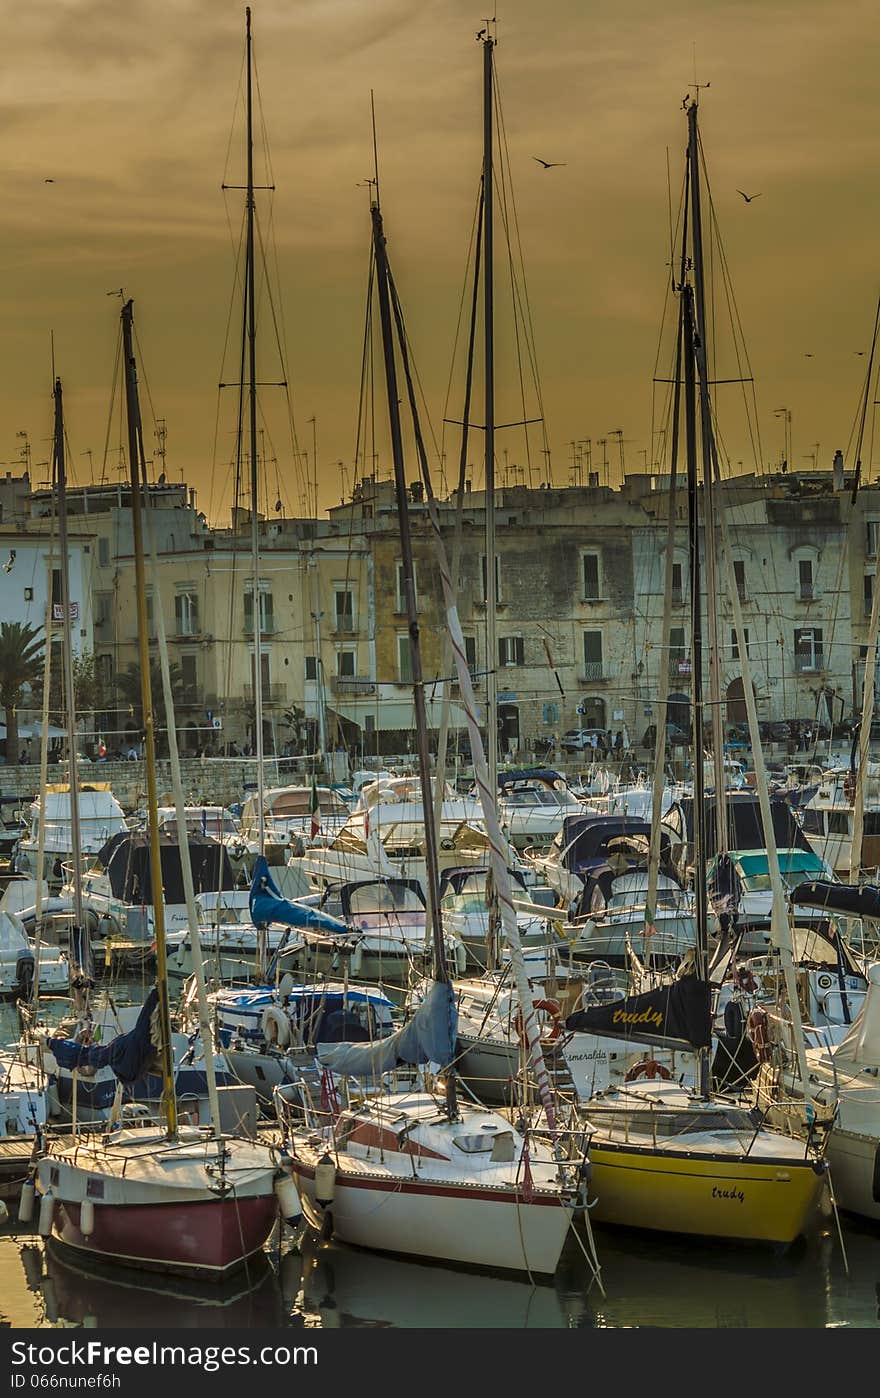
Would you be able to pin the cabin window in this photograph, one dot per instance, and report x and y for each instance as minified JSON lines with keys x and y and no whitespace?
{"x":838,"y":823}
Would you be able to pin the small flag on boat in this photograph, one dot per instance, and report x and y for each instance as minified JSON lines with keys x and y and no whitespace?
{"x":315,"y":809}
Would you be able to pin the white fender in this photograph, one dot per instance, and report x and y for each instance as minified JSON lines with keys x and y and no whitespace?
{"x":287,"y":1195}
{"x":26,"y":1202}
{"x":325,"y":1180}
{"x":87,"y":1217}
{"x":460,"y":958}
{"x":357,"y":959}
{"x":275,"y":1026}
{"x":4,"y":1212}
{"x":47,"y":1213}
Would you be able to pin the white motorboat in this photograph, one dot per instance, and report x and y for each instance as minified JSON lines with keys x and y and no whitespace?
{"x":231,"y":944}
{"x":100,"y":817}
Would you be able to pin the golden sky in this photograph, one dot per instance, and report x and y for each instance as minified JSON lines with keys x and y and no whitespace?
{"x":129,"y":108}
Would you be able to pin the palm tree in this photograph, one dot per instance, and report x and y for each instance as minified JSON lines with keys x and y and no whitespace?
{"x":21,"y":663}
{"x":128,"y":691}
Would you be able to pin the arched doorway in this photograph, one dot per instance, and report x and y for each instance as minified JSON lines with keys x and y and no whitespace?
{"x":508,"y":728}
{"x":736,"y":701}
{"x":678,"y":711}
{"x":594,"y":712}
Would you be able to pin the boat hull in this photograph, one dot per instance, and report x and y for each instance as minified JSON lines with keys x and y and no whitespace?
{"x":209,"y":1238}
{"x":492,"y":1228}
{"x":854,"y":1157}
{"x":709,"y":1196}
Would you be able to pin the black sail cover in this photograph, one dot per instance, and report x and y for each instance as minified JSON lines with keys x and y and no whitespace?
{"x":678,"y":1015}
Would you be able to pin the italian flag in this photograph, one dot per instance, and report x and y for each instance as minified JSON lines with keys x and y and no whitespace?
{"x":315,"y":809}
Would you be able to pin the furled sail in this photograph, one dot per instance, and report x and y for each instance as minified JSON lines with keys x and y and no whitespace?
{"x":852,"y":900}
{"x":429,"y":1037}
{"x":130,"y":1055}
{"x":267,"y":905}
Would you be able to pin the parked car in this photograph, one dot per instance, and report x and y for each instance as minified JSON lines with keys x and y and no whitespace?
{"x":674,"y":735}
{"x":579,"y":739}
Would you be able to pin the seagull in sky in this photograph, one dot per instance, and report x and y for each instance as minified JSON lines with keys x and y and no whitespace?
{"x":748,"y":197}
{"x":7,"y":566}
{"x":549,"y":164}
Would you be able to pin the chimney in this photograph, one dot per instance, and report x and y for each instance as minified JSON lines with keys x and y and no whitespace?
{"x":838,"y":470}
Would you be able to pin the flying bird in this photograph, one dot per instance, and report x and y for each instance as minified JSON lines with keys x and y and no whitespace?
{"x":7,"y":566}
{"x":748,"y":197}
{"x":48,"y":181}
{"x":480,"y":33}
{"x":808,"y":354}
{"x":549,"y":164}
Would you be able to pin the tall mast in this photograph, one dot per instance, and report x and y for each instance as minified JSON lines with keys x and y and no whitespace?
{"x":706,"y":440}
{"x":250,"y":313}
{"x":696,"y":658}
{"x":489,"y":372}
{"x":79,"y":939}
{"x":431,"y":863}
{"x":133,"y":416}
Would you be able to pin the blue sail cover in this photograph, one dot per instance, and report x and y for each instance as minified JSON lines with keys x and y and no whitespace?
{"x":267,"y":905}
{"x":429,"y":1037}
{"x":129,"y":1055}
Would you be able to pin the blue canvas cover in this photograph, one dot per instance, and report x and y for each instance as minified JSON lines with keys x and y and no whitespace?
{"x":267,"y":905}
{"x":129,"y":1055}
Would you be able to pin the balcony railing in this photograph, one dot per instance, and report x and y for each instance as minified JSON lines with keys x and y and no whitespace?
{"x":272,"y":693}
{"x":595,"y":670}
{"x":352,"y":684}
{"x":679,"y":669}
{"x":806,"y":592}
{"x":809,"y":664}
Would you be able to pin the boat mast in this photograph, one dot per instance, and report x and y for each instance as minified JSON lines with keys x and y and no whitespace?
{"x":79,"y":938}
{"x":706,"y":439}
{"x":489,"y":388}
{"x":690,"y":397}
{"x":251,"y":317}
{"x":132,"y":408}
{"x":432,"y":874}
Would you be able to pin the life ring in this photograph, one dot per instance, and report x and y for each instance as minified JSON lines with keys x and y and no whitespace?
{"x":648,"y":1068}
{"x":552,"y":1008}
{"x":275,"y":1026}
{"x":757,"y":1028}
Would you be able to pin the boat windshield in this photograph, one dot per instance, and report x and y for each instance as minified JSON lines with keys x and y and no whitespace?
{"x":385,"y":898}
{"x":659,"y":1121}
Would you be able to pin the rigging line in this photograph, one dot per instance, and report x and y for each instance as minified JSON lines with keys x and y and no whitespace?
{"x":365,"y":347}
{"x":114,"y":383}
{"x":513,"y":297}
{"x":867,"y":393}
{"x":527,"y":318}
{"x":478,"y":207}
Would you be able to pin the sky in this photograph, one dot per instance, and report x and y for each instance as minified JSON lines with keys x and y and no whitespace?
{"x":121,"y":121}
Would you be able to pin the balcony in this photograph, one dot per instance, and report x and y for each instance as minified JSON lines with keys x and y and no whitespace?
{"x":352,"y":684}
{"x":594,"y":672}
{"x":272,"y":693}
{"x":806,"y":592}
{"x":268,"y":627}
{"x":679,"y":669}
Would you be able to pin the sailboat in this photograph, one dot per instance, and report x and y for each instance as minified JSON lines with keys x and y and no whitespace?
{"x":179,"y":1199}
{"x":664,"y":1156}
{"x":415,"y":1172}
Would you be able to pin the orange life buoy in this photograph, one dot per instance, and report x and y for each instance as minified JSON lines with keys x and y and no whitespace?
{"x":552,"y":1008}
{"x":648,"y":1068}
{"x":757,"y":1029}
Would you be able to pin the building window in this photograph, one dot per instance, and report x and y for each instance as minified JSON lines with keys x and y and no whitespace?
{"x":869,"y":593}
{"x":311,"y":667}
{"x":739,"y":573}
{"x":871,"y":531}
{"x":151,"y":626}
{"x":103,"y":609}
{"x":343,"y":609}
{"x":401,"y":586}
{"x":470,"y":652}
{"x":267,"y":616}
{"x":510,"y":650}
{"x":677,"y":585}
{"x":186,"y":613}
{"x":678,"y":656}
{"x":264,"y":674}
{"x":345,"y":663}
{"x":485,"y":579}
{"x":404,"y":659}
{"x":805,"y":579}
{"x":103,"y":552}
{"x":808,"y":650}
{"x":188,"y":679}
{"x":591,"y":577}
{"x":592,"y":655}
{"x":734,"y":645}
{"x":104,"y":665}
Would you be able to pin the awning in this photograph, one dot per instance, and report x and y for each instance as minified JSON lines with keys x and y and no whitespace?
{"x":34,"y":730}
